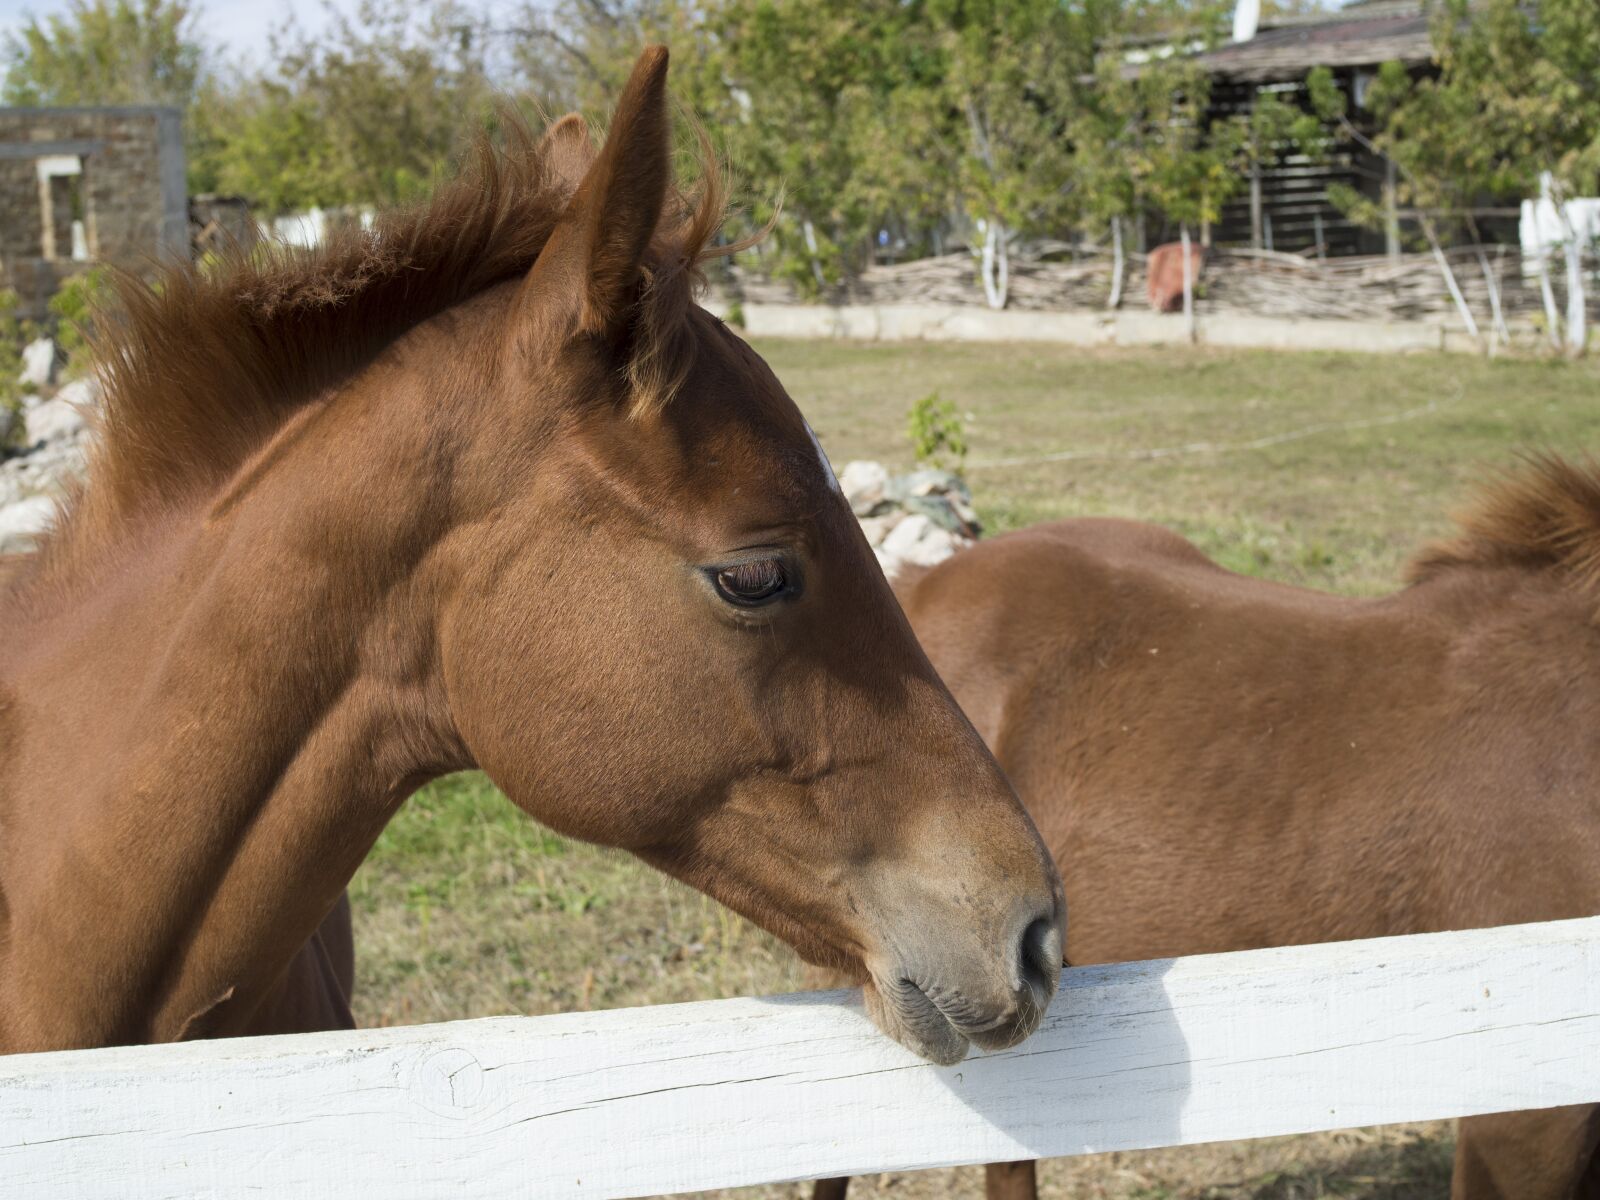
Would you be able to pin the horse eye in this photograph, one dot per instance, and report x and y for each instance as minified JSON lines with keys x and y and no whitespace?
{"x":752,"y":582}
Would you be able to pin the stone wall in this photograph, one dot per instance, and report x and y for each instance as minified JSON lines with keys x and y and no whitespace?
{"x":117,"y":173}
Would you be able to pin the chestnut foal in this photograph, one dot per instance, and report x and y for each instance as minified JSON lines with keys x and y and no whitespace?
{"x":480,"y":488}
{"x":1234,"y":763}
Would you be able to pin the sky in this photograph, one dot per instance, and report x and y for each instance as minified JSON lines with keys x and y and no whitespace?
{"x":241,"y":26}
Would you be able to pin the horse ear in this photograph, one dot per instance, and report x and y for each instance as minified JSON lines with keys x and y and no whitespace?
{"x":603,"y":237}
{"x":567,"y":152}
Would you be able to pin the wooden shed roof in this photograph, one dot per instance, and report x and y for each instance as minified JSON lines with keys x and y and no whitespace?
{"x":1361,"y":35}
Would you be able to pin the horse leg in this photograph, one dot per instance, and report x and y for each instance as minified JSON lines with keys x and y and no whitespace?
{"x":1011,"y":1181}
{"x":830,"y":1189}
{"x":1547,"y":1154}
{"x":339,"y":943}
{"x":314,"y":992}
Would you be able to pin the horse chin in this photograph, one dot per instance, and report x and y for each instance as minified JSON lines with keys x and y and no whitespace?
{"x":903,"y":1011}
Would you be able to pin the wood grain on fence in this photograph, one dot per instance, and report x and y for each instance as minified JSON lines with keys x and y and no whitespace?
{"x":689,"y":1096}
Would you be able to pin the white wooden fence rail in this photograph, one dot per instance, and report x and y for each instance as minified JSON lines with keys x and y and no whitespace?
{"x":689,"y":1096}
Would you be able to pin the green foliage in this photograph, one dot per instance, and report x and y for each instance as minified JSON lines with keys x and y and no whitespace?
{"x":73,"y":309}
{"x":105,"y":52}
{"x":365,"y":113}
{"x":14,"y":335}
{"x":1008,"y":73}
{"x":1517,"y":94}
{"x":1142,"y":140}
{"x":845,"y":118}
{"x":735,"y":315}
{"x":793,"y":88}
{"x":938,"y":433}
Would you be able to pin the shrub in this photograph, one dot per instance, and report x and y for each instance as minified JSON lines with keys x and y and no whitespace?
{"x":14,"y":335}
{"x":938,"y":433}
{"x":73,"y":308}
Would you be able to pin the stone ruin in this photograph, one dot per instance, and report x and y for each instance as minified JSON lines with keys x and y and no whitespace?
{"x":86,"y":185}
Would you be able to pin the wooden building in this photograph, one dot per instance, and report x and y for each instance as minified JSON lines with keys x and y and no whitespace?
{"x":1286,"y":206}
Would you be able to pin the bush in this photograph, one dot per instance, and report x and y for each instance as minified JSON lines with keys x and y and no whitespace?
{"x":14,"y":335}
{"x":937,"y":430}
{"x":73,"y":308}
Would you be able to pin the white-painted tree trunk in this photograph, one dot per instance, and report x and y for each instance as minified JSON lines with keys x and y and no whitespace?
{"x":1492,"y":283}
{"x":1577,"y":292}
{"x":1552,"y":315}
{"x":810,"y":232}
{"x":1451,"y":285}
{"x":1188,"y":282}
{"x":996,"y":265}
{"x":1118,"y":264}
{"x":730,"y":1093}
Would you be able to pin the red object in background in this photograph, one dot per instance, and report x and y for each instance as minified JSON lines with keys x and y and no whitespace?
{"x":1165,"y":274}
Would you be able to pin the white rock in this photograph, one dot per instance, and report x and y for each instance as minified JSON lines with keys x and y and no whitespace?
{"x":877,"y":528}
{"x":54,"y":420}
{"x":19,"y":522}
{"x":918,"y":540}
{"x":85,"y":393}
{"x":31,"y":400}
{"x":863,"y":482}
{"x":38,"y":363}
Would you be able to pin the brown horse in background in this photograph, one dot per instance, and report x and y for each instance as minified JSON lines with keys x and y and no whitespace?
{"x":1221,"y":763}
{"x":482,"y":488}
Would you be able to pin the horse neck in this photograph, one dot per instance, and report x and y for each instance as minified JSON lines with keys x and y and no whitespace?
{"x":206,"y":744}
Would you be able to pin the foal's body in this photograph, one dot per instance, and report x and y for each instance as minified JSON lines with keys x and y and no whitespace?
{"x":1235,"y":763}
{"x":1220,"y":763}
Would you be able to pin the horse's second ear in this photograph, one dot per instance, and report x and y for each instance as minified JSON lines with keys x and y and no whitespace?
{"x":567,"y":153}
{"x":618,"y":205}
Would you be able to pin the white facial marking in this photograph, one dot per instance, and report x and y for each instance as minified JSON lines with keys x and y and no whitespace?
{"x":827,"y":467}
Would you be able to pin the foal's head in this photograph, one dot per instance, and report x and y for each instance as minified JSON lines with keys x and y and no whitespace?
{"x":672,"y":637}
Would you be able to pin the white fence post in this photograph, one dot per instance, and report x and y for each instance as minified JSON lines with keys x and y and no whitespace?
{"x":690,"y":1096}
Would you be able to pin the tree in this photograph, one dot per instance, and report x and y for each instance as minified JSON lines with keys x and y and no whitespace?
{"x":1516,"y":101}
{"x":576,"y":54}
{"x":1108,"y":134}
{"x":1010,"y":75}
{"x":792,"y":89}
{"x":1535,"y":70}
{"x":106,"y":52}
{"x":365,"y":113}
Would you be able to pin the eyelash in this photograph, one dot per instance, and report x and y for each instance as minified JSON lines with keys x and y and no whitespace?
{"x":752,"y":584}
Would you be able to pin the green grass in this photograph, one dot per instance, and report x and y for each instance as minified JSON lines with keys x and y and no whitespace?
{"x":466,"y":908}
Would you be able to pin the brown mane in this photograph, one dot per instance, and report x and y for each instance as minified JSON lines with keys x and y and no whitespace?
{"x":201,"y":367}
{"x":1542,"y":515}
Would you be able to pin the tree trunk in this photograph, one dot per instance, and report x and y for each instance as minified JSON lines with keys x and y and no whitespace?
{"x":810,"y":232}
{"x":1552,"y":316}
{"x":1391,"y":210}
{"x":1491,"y":282}
{"x":996,"y":265}
{"x":1118,"y":264}
{"x":1257,"y":238}
{"x":1188,"y":283}
{"x":996,"y":257}
{"x":1577,"y":297}
{"x":986,"y":264}
{"x":1450,"y":284}
{"x":1004,"y":282}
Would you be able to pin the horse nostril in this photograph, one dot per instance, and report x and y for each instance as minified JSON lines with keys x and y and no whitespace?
{"x":1039,"y":958}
